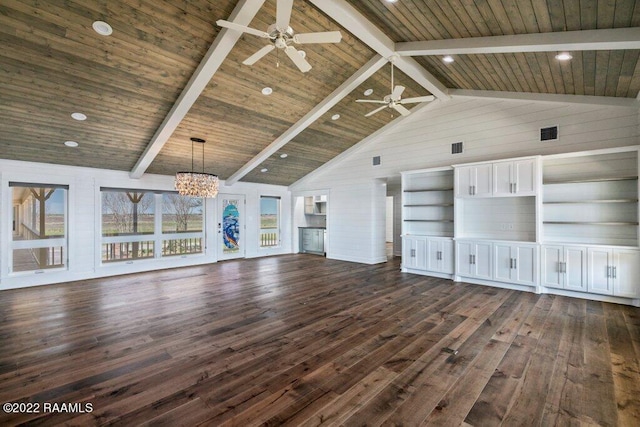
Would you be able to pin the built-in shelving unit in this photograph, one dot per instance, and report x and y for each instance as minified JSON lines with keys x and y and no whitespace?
{"x":591,"y":199}
{"x":427,"y":203}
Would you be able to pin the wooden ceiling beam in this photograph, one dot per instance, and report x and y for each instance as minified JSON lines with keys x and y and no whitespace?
{"x":546,"y":97}
{"x":330,"y":101}
{"x":347,"y":16}
{"x":605,"y":39}
{"x":226,"y":39}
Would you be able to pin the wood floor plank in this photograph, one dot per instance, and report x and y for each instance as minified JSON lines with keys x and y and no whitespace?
{"x":304,"y":340}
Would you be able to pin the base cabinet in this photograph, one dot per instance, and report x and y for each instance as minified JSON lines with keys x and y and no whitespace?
{"x":614,"y":272}
{"x":429,"y":254}
{"x":312,"y":240}
{"x":440,"y":255}
{"x":473,"y":259}
{"x":515,"y":263}
{"x":414,"y":253}
{"x":564,"y":267}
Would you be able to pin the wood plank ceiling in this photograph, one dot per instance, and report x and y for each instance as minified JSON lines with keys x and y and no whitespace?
{"x":54,"y":64}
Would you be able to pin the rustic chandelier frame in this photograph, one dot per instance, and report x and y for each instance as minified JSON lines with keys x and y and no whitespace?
{"x":197,"y":184}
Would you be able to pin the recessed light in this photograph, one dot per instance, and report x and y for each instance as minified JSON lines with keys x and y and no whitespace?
{"x":391,"y":1}
{"x":448,"y":59}
{"x":302,"y":53}
{"x":563,"y":56}
{"x":78,"y":116}
{"x":284,"y":155}
{"x":71,"y":144}
{"x":368,"y":92}
{"x":102,"y":28}
{"x":263,"y":170}
{"x":267,"y":91}
{"x":335,"y":117}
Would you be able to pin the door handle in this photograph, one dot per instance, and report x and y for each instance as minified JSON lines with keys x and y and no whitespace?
{"x":510,"y":263}
{"x":413,"y":253}
{"x":471,"y":190}
{"x":515,"y":263}
{"x":608,"y":271}
{"x":615,"y":272}
{"x":474,"y":260}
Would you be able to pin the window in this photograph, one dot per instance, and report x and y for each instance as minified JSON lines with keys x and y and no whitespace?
{"x":269,"y":221}
{"x":182,"y":224}
{"x":40,"y":227}
{"x":132,"y":230}
{"x":127,"y":221}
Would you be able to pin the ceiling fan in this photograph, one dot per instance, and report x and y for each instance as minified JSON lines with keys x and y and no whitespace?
{"x":282,"y":36}
{"x":394,"y":100}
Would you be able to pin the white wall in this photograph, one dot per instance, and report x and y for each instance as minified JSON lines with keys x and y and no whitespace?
{"x":490,"y":129}
{"x":84,"y":239}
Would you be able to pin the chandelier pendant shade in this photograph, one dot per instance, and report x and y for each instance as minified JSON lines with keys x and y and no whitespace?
{"x":197,"y":184}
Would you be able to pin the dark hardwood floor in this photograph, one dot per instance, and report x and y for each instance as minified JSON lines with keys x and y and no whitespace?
{"x":302,"y":340}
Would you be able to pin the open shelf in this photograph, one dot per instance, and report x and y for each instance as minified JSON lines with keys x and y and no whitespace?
{"x":425,"y":190}
{"x":580,"y":181}
{"x":565,"y":202}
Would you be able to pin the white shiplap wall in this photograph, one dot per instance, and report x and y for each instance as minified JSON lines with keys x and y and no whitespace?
{"x":84,"y":218}
{"x":490,"y":129}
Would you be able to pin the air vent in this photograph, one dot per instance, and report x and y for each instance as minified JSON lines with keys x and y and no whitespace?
{"x":456,"y":148}
{"x":376,"y":161}
{"x":549,"y":133}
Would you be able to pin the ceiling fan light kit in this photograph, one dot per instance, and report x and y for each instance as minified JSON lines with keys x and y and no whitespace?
{"x":283,"y":37}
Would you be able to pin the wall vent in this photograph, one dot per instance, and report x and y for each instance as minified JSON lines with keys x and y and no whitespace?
{"x":456,"y":148}
{"x":376,"y":161}
{"x":549,"y":133}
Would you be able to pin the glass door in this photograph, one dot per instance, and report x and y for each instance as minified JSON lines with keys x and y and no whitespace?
{"x":231,"y":226}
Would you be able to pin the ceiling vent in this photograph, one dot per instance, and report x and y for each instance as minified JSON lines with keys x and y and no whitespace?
{"x":456,"y":148}
{"x":376,"y":161}
{"x":549,"y":133}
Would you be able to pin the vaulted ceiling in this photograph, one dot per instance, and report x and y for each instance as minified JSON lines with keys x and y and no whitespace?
{"x":168,"y":73}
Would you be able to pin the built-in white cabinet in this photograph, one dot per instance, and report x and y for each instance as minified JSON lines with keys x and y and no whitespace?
{"x":414,"y":252}
{"x":515,"y":263}
{"x":560,"y":223}
{"x":440,"y":255}
{"x":427,"y":254}
{"x":473,"y":259}
{"x":516,"y":178}
{"x":498,"y":179}
{"x":474,"y":180}
{"x":564,"y":267}
{"x":614,"y":272}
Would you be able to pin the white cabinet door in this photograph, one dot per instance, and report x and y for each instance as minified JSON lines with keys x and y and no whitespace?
{"x":414,"y":253}
{"x":502,"y":179}
{"x":482,"y":260}
{"x":598,"y":277}
{"x":524,"y":177}
{"x":552,"y":267}
{"x":502,"y":262}
{"x":626,"y":273}
{"x":464,"y":258}
{"x":524,"y":265}
{"x":483,"y":185}
{"x":447,"y":256}
{"x":575,"y":268}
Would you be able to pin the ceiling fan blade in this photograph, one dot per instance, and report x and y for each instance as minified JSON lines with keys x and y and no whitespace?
{"x":297,"y":59}
{"x":283,"y":14}
{"x":372,"y":101}
{"x":259,"y":54}
{"x":323,"y":37}
{"x":428,"y":98}
{"x":371,"y":113}
{"x":397,"y":92}
{"x":242,"y":28}
{"x":400,"y":109}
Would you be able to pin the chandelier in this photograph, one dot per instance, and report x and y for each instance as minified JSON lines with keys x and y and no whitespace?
{"x":197,"y":184}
